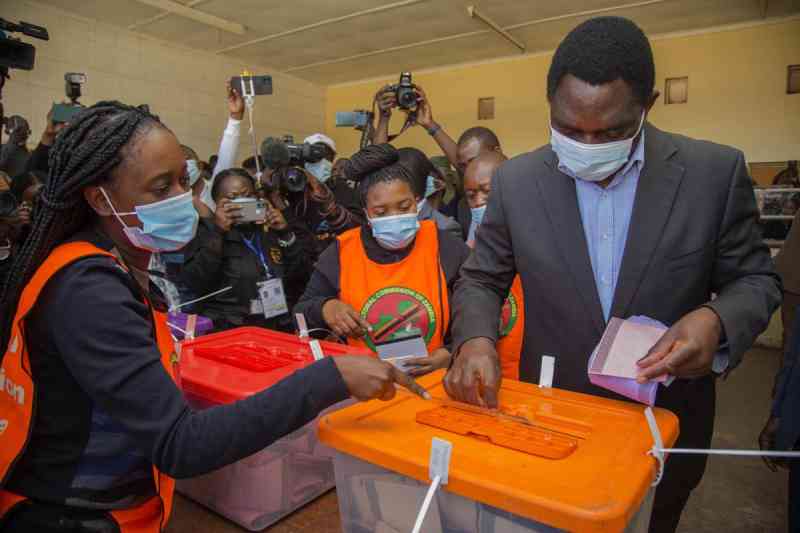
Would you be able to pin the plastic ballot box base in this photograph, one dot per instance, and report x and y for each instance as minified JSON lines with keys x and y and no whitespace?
{"x":259,"y":490}
{"x":594,"y":475}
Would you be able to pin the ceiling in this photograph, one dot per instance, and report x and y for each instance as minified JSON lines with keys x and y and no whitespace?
{"x":337,"y":41}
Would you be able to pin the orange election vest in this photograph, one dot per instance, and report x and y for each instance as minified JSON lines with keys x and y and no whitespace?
{"x":512,"y":331}
{"x":18,"y":397}
{"x":398,"y":299}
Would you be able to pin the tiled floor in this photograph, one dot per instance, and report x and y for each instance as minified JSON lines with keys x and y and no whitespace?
{"x":737,"y":495}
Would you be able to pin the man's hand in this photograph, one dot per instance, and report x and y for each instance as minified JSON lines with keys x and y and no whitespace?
{"x":686,"y":350}
{"x":475,"y":375}
{"x":51,"y":130}
{"x":766,"y":441}
{"x":419,"y":366}
{"x":424,"y":111}
{"x":235,"y":102}
{"x":344,"y":320}
{"x":386,"y":100}
{"x":22,"y":216}
{"x":227,"y":214}
{"x":368,"y":378}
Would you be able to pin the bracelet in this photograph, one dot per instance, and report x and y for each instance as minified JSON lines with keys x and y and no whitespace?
{"x":433,"y":130}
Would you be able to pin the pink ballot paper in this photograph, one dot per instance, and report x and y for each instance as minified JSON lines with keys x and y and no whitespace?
{"x":613,"y":363}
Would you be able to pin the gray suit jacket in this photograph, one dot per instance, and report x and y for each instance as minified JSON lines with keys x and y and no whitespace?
{"x":693,"y":232}
{"x":443,"y":222}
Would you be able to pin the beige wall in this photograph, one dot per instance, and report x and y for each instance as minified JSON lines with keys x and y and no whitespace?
{"x":737,"y":94}
{"x":186,"y":88}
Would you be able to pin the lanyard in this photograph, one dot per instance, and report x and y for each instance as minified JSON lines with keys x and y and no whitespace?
{"x":254,"y":245}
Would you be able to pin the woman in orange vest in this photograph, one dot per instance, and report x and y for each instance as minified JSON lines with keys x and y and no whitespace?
{"x":388,"y":281}
{"x":92,"y":426}
{"x":477,"y":187}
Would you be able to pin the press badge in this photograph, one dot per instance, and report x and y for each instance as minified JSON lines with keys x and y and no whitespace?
{"x":272,"y":298}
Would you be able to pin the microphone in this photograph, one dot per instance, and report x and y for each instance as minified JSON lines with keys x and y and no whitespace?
{"x":275,"y":153}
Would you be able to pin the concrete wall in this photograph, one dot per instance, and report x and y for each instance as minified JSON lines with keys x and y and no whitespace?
{"x":737,"y":94}
{"x":186,"y":88}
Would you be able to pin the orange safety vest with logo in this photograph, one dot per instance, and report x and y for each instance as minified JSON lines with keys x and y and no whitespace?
{"x":512,"y":331}
{"x":400,"y":299}
{"x":18,"y":397}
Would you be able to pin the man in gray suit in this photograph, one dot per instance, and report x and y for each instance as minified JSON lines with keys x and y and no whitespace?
{"x":616,"y":218}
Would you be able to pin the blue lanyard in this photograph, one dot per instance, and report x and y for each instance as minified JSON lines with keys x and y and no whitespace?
{"x":254,"y":246}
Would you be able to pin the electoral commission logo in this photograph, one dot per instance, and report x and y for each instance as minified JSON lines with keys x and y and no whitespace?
{"x":509,"y":315}
{"x":396,"y":313}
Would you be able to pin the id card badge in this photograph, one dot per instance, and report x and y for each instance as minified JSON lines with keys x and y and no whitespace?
{"x":273,"y":299}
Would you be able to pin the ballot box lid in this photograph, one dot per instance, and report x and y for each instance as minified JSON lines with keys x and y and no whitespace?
{"x":231,"y":365}
{"x":591,"y":476}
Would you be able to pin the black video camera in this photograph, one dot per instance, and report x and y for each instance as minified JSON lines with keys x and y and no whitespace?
{"x":13,"y":52}
{"x":286,"y":159}
{"x":405,"y":92}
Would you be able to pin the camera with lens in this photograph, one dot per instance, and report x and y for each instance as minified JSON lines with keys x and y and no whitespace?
{"x":405,"y":92}
{"x":286,"y":159}
{"x":15,"y":53}
{"x":8,"y":204}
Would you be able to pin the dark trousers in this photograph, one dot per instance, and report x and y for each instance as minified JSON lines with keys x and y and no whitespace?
{"x":794,"y":496}
{"x":694,"y":401}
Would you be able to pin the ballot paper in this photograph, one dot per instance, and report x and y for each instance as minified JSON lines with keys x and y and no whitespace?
{"x":613,"y":363}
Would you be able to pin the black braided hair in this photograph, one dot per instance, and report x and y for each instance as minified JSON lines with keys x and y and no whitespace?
{"x":227,"y":173}
{"x":385,"y":175}
{"x":85,"y":153}
{"x":368,"y":160}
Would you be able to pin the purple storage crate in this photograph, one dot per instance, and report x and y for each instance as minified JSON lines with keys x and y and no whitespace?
{"x":180,"y":323}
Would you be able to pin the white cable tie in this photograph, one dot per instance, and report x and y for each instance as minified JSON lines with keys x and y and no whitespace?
{"x":426,"y":503}
{"x":739,"y":453}
{"x":302,"y":325}
{"x":173,"y":326}
{"x":176,"y":307}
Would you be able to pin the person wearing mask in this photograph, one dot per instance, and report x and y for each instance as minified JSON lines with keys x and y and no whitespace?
{"x":80,"y":320}
{"x":14,"y":153}
{"x":615,"y":218}
{"x":389,"y":279}
{"x":255,"y":258}
{"x":426,"y":182}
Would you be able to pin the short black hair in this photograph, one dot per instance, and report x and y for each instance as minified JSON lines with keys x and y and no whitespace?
{"x":250,"y":162}
{"x":227,"y":173}
{"x":486,"y":137}
{"x":602,"y":50}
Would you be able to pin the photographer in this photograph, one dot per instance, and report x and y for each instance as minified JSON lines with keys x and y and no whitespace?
{"x":38,"y":160}
{"x":248,"y":256}
{"x":14,"y":153}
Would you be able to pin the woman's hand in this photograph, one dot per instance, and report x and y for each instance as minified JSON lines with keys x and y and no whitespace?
{"x":275,"y":219}
{"x":368,"y":378}
{"x":227,"y":214}
{"x":344,"y":320}
{"x":419,"y":366}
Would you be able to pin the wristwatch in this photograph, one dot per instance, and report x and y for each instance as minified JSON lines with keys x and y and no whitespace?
{"x":433,"y":130}
{"x":290,"y":240}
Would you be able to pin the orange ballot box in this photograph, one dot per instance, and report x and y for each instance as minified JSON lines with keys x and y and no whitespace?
{"x":546,"y":460}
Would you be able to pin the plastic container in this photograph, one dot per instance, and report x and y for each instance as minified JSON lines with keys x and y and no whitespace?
{"x":202,"y":324}
{"x":261,"y":489}
{"x":594,"y":475}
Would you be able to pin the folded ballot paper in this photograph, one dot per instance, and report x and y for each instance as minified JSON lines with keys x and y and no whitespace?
{"x":613,"y":363}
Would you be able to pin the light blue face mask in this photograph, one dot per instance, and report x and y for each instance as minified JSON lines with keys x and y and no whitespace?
{"x":477,"y":217}
{"x":168,"y":225}
{"x":321,"y":169}
{"x":430,"y":186}
{"x":592,"y":162}
{"x":193,"y":170}
{"x":395,"y":232}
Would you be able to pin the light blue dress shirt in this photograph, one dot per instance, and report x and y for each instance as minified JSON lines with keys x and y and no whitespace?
{"x":606,"y":216}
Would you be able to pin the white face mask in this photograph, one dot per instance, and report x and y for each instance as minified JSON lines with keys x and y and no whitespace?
{"x":592,"y":162}
{"x":321,"y":169}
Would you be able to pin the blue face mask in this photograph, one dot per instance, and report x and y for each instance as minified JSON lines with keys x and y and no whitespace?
{"x":477,"y":217}
{"x":592,"y":162}
{"x":395,"y":232}
{"x":193,"y":170}
{"x":430,"y":186}
{"x":321,"y":169}
{"x":168,"y":225}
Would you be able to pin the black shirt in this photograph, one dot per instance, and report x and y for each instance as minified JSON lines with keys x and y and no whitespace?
{"x":324,"y":284}
{"x":107,"y":410}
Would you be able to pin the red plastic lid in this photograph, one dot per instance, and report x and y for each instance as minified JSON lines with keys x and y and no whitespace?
{"x":228,"y":366}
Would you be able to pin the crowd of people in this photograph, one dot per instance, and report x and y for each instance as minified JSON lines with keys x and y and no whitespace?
{"x":112,"y":222}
